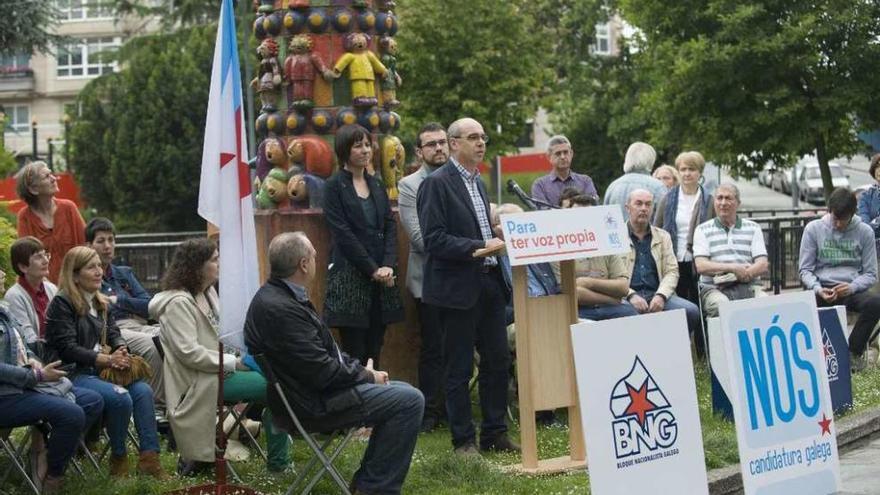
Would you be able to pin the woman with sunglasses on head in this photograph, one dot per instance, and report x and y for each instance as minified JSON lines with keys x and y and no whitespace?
{"x":81,"y":329}
{"x":54,"y":221}
{"x":362,"y":297}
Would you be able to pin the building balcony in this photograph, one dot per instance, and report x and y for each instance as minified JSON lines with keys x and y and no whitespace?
{"x":16,"y":79}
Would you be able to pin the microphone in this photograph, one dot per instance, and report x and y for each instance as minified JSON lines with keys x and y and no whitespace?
{"x":513,"y":188}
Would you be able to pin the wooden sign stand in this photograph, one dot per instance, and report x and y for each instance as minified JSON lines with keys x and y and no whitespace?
{"x":545,"y":369}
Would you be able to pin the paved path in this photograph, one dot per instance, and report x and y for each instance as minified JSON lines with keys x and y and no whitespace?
{"x":860,"y":469}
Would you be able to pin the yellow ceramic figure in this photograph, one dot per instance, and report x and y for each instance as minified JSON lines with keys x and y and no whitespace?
{"x":363,"y":65}
{"x":393,"y":158}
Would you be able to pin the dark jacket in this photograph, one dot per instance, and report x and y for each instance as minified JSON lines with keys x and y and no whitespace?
{"x":131,"y":297}
{"x":316,"y":376}
{"x":74,"y":336}
{"x":451,"y":234}
{"x":665,"y":218}
{"x":13,"y":378}
{"x":357,"y":251}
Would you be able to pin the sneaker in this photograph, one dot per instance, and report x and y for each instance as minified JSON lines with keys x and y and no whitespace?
{"x":53,"y":485}
{"x":429,"y":423}
{"x":501,"y":443}
{"x":467,"y":451}
{"x":149,"y":465}
{"x":119,"y":466}
{"x":857,"y":363}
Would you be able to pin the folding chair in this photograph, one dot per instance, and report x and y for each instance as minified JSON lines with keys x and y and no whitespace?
{"x":16,"y":459}
{"x":320,"y":450}
{"x":239,"y":417}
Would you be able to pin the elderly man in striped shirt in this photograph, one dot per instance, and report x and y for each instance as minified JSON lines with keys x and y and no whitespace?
{"x":729,"y":254}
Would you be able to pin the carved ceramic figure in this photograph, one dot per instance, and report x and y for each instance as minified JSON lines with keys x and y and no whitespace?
{"x":269,"y":78}
{"x":272,"y":153}
{"x":312,"y":153}
{"x":305,"y":190}
{"x":300,"y":69}
{"x":273,"y":190}
{"x":393,"y":159}
{"x":391,"y":80}
{"x":363,"y":65}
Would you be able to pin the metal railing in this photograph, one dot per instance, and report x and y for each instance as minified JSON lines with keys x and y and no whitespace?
{"x":782,"y":237}
{"x":150,"y":254}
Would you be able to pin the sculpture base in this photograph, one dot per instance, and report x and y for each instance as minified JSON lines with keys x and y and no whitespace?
{"x":214,"y":489}
{"x":555,"y":465}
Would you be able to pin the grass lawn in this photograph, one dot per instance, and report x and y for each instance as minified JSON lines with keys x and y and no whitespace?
{"x":436,"y":471}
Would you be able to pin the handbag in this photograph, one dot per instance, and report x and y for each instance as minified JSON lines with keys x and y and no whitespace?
{"x":139,"y":369}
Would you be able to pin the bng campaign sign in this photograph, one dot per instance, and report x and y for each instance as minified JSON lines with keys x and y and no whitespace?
{"x":779,"y":391}
{"x":567,"y":234}
{"x":638,"y":403}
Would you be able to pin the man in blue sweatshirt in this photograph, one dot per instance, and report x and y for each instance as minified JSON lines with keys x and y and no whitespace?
{"x":838,"y":261}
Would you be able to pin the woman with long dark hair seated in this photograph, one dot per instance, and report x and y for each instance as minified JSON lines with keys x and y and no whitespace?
{"x":80,"y":328}
{"x":189,"y":315}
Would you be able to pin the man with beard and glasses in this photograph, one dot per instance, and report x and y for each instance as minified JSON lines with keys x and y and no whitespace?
{"x":432,"y":150}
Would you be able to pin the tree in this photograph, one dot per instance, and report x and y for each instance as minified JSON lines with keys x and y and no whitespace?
{"x":596,"y":94}
{"x":27,"y":26}
{"x":486,"y":60}
{"x":750,"y":80}
{"x":136,"y":148}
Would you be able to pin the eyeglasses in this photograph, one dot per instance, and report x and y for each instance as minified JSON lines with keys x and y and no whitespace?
{"x":42,"y":255}
{"x":474,"y":138}
{"x":431,"y":144}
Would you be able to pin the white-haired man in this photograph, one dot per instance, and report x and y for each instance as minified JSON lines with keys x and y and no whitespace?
{"x":637,"y":166}
{"x":549,"y":188}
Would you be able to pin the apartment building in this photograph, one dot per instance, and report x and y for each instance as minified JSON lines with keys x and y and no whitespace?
{"x":37,"y":90}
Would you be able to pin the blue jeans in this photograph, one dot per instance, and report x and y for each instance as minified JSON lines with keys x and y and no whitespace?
{"x":68,"y":420}
{"x":481,"y":326}
{"x":606,"y":311}
{"x":691,"y":313}
{"x":136,"y":399}
{"x":395,"y":413}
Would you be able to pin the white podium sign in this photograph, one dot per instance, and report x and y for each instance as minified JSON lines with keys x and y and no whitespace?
{"x":639,"y":408}
{"x":780,"y":395}
{"x":567,"y":234}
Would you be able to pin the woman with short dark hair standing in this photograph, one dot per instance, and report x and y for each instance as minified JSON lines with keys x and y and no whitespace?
{"x":362,"y":297}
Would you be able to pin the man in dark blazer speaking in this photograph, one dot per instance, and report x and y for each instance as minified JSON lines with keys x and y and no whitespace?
{"x":468,"y":289}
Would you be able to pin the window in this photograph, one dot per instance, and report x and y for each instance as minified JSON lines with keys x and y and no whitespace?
{"x":16,"y":61}
{"x":91,"y":57}
{"x":18,"y":118}
{"x":603,"y":40}
{"x":74,"y":10}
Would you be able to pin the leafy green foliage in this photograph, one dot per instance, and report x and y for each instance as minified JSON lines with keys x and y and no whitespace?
{"x":27,"y":27}
{"x":136,"y":148}
{"x":486,"y":60}
{"x":748,"y":81}
{"x":8,"y":235}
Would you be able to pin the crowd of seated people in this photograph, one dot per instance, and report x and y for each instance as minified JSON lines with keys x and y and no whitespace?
{"x":99,"y":352}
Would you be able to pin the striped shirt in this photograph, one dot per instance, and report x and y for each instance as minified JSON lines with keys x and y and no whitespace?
{"x":470,"y":183}
{"x":741,"y":243}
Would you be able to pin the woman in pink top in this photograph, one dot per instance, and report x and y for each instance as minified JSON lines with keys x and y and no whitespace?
{"x":55,"y":222}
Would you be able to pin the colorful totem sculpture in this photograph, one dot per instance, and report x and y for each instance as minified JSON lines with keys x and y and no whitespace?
{"x":337,"y":63}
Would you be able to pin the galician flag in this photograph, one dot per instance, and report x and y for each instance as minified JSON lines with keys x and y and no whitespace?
{"x":225,"y":189}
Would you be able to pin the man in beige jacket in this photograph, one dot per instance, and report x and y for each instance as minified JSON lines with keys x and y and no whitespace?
{"x":652,"y":263}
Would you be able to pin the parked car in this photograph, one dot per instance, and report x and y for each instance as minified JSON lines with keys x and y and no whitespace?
{"x":781,"y":180}
{"x":765,"y":176}
{"x":810,"y":181}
